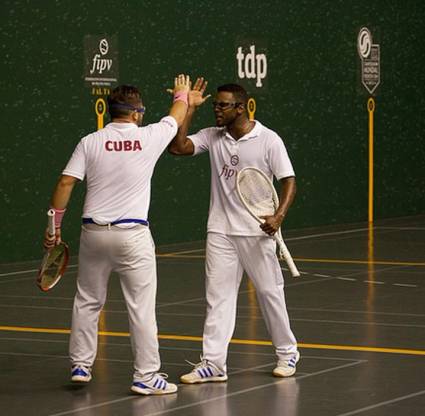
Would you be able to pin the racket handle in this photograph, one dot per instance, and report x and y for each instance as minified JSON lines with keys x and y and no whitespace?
{"x":286,"y":255}
{"x":51,"y":222}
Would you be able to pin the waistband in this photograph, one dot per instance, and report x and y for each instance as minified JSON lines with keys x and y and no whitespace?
{"x":123,"y":221}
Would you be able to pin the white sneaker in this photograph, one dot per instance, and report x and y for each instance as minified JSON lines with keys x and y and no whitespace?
{"x":203,"y":372}
{"x":288,"y":367}
{"x":155,"y":385}
{"x":80,"y":374}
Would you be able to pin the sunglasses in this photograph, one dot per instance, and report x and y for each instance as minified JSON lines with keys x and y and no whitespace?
{"x":222,"y":105}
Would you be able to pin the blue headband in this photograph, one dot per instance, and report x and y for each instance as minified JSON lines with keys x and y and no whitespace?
{"x":128,"y":106}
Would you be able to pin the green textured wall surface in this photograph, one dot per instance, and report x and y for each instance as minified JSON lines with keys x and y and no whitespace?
{"x":312,"y":96}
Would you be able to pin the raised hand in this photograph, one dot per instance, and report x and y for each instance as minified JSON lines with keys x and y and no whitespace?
{"x":196,"y":94}
{"x":181,"y":84}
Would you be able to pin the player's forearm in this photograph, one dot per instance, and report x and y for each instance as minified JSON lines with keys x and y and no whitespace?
{"x":181,"y":145}
{"x":287,"y":195}
{"x":178,"y":111}
{"x":181,"y":89}
{"x":63,"y":191}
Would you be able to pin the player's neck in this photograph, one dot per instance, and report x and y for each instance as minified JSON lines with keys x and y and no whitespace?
{"x":122,"y":120}
{"x":240,"y":127}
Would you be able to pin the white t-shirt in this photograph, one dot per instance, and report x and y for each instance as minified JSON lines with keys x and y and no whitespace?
{"x":119,"y":161}
{"x":261,"y":148}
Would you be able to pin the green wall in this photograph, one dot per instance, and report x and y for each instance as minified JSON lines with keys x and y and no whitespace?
{"x":312,"y":96}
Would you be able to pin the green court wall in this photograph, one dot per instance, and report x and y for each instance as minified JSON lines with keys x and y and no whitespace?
{"x":312,"y":95}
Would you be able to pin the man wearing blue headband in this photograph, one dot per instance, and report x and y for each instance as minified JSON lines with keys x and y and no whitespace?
{"x":118,"y":162}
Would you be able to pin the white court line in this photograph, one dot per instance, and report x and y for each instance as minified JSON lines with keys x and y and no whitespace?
{"x":343,"y":277}
{"x":128,"y":345}
{"x":237,"y":393}
{"x":245,"y":370}
{"x":20,"y":272}
{"x":404,"y":285}
{"x":176,"y":254}
{"x":330,"y":321}
{"x":26,"y":278}
{"x":374,"y":282}
{"x":286,"y":239}
{"x":17,"y":280}
{"x":240,"y":316}
{"x":350,"y":311}
{"x":374,"y":406}
{"x":221,"y":397}
{"x":402,"y":228}
{"x":112,"y":360}
{"x":304,"y":237}
{"x":49,"y":297}
{"x":70,"y":266}
{"x":181,"y":302}
{"x":347,"y":311}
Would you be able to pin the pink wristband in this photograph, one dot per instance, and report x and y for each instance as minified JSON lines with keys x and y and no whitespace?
{"x":59,"y":213}
{"x":181,"y":96}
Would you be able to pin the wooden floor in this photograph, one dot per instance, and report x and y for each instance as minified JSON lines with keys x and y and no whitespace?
{"x":358,"y":312}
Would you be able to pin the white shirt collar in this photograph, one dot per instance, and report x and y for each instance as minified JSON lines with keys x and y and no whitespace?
{"x":255,"y":132}
{"x":121,"y":126}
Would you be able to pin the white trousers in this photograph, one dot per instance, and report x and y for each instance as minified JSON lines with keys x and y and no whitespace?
{"x":131,"y":254}
{"x":226,"y":258}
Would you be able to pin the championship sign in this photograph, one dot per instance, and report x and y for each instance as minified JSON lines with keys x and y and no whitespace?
{"x":370,"y":57}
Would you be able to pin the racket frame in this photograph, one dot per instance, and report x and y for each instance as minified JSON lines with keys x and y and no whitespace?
{"x":284,"y":252}
{"x":52,"y":231}
{"x":61,"y":271}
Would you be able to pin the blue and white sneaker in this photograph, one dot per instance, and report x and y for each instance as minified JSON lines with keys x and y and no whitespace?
{"x":80,"y":374}
{"x":288,"y":367}
{"x":203,"y":372}
{"x":154,"y":385}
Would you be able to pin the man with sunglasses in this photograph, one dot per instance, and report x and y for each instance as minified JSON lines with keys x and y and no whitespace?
{"x":118,"y":163}
{"x":235,"y":241}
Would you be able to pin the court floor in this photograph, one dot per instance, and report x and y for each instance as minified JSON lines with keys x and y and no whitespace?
{"x":358,"y":312}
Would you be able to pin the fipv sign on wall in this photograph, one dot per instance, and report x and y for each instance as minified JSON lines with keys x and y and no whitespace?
{"x":101,"y":60}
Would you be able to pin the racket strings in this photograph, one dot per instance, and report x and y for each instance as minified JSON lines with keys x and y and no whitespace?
{"x":53,"y":267}
{"x":257,"y":193}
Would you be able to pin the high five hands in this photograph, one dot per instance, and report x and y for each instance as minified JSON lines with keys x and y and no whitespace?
{"x":182,"y":83}
{"x":196,"y":93}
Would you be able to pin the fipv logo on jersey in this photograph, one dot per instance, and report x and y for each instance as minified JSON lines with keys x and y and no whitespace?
{"x":226,"y":171}
{"x":251,"y":65}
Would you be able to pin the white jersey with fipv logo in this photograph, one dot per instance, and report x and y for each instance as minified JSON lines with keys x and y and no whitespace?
{"x":261,"y":148}
{"x":118,"y":162}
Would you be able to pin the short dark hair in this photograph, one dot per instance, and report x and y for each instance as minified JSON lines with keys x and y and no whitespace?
{"x":123,"y":100}
{"x":238,"y":92}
